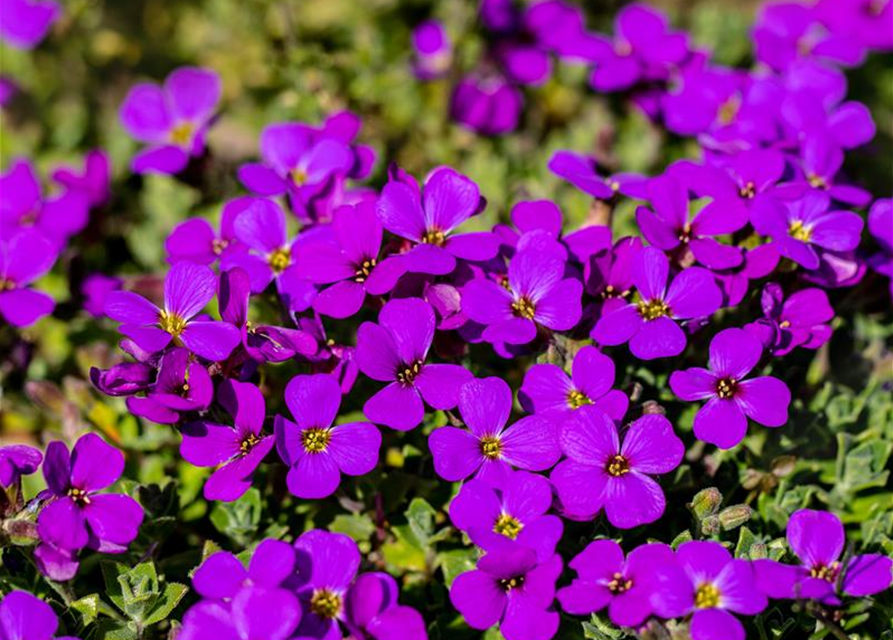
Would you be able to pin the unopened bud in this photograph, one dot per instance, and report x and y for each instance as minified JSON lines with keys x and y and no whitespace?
{"x":706,"y":502}
{"x":711,"y":525}
{"x":734,"y":516}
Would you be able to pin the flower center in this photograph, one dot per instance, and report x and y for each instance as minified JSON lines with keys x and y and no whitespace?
{"x":363,"y":270}
{"x":576,"y":399}
{"x":685,"y":234}
{"x":623,"y":48}
{"x":218,"y":245}
{"x":825,"y":572}
{"x":619,"y":584}
{"x":617,"y":466}
{"x":523,"y":307}
{"x":181,"y":134}
{"x":800,"y":231}
{"x":315,"y":439}
{"x":611,"y":292}
{"x":728,"y":110}
{"x":434,"y":236}
{"x":172,"y":323}
{"x":299,"y":176}
{"x":726,"y":387}
{"x":6,"y":284}
{"x":491,"y":447}
{"x":508,"y":526}
{"x":784,"y":324}
{"x":409,"y":372}
{"x":508,"y":584}
{"x":79,"y":496}
{"x":748,"y":191}
{"x":653,"y":309}
{"x":817,"y":182}
{"x":248,"y":443}
{"x":707,"y":596}
{"x":280,"y":259}
{"x":325,"y":603}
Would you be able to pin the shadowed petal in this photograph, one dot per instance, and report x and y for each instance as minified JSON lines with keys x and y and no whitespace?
{"x":377,"y":354}
{"x":478,"y":598}
{"x":867,"y":574}
{"x":457,"y":453}
{"x":396,"y":406}
{"x":24,"y":307}
{"x":62,"y":524}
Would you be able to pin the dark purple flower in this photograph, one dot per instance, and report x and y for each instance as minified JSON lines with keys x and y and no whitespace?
{"x":536,"y":293}
{"x":350,"y":263}
{"x":76,"y":516}
{"x":605,"y":579}
{"x":173,"y":119}
{"x":713,"y":99}
{"x":95,"y":289}
{"x":547,"y":388}
{"x":26,"y":22}
{"x":316,"y":450}
{"x":188,"y":288}
{"x":8,"y":90}
{"x":17,"y":460}
{"x":372,"y":611}
{"x":805,"y":114}
{"x":509,"y":586}
{"x":182,"y":386}
{"x":236,"y":451}
{"x":799,"y":228}
{"x":650,"y":325}
{"x":223,"y":576}
{"x":668,"y":227}
{"x":817,"y":539}
{"x":603,"y":473}
{"x":395,"y":351}
{"x":489,"y":105}
{"x":195,"y":240}
{"x":880,"y":224}
{"x":821,"y":159}
{"x":731,"y":399}
{"x":26,"y":617}
{"x":93,"y":182}
{"x":487,"y":448}
{"x":708,"y":584}
{"x":608,"y":275}
{"x":799,"y":321}
{"x":433,"y":51}
{"x":580,"y":171}
{"x":514,"y":507}
{"x":124,"y":379}
{"x":253,"y":614}
{"x":866,"y":20}
{"x":25,"y":257}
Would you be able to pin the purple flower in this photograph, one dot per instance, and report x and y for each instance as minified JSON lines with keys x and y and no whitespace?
{"x":706,"y":582}
{"x":238,"y":450}
{"x":327,"y":564}
{"x":668,"y":227}
{"x":76,"y":516}
{"x":183,"y":385}
{"x":253,"y":614}
{"x":433,"y":51}
{"x":799,"y":321}
{"x":799,"y":228}
{"x":350,"y":263}
{"x":93,"y":182}
{"x":17,"y":460}
{"x":95,"y":289}
{"x":600,"y":472}
{"x":821,"y":159}
{"x":608,"y":275}
{"x":489,"y":105}
{"x":25,"y":257}
{"x":488,"y":449}
{"x":188,"y":288}
{"x":223,"y":576}
{"x":427,"y":218}
{"x":26,"y":22}
{"x":547,"y":388}
{"x":317,"y":451}
{"x":26,"y":617}
{"x":804,"y":114}
{"x":536,"y":293}
{"x":580,"y":171}
{"x":372,"y":611}
{"x":395,"y":351}
{"x":731,"y":399}
{"x":866,"y":20}
{"x":817,"y":538}
{"x":880,"y":224}
{"x":510,"y":587}
{"x":650,"y":325}
{"x":173,"y":119}
{"x":195,"y":240}
{"x":604,"y":578}
{"x":513,"y":508}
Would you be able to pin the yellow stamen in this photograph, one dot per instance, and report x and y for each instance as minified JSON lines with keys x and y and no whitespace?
{"x":508,"y":526}
{"x":315,"y":439}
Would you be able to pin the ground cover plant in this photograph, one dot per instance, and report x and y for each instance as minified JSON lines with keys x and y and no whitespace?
{"x":402,"y":320}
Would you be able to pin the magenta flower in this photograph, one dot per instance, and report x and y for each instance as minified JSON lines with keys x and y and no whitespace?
{"x":188,"y":288}
{"x":238,"y":450}
{"x":428,"y":217}
{"x":547,"y":388}
{"x":172,"y":120}
{"x":26,"y":617}
{"x":821,"y":159}
{"x":17,"y":460}
{"x":536,"y":293}
{"x":182,"y":386}
{"x":316,"y":451}
{"x":602,"y":473}
{"x":433,"y":50}
{"x":510,"y":587}
{"x":708,"y":584}
{"x":195,"y":240}
{"x":650,"y":325}
{"x":580,"y":171}
{"x":372,"y":611}
{"x":880,"y":224}
{"x":731,"y":399}
{"x":395,"y":351}
{"x":605,"y":579}
{"x":488,"y":449}
{"x":350,"y":262}
{"x":514,"y":508}
{"x":95,"y":289}
{"x":799,"y":321}
{"x":608,"y":276}
{"x":668,"y":226}
{"x":223,"y":576}
{"x":93,"y":181}
{"x":798,"y":229}
{"x":26,"y":22}
{"x":489,"y":104}
{"x":253,"y":614}
{"x":25,"y":257}
{"x":76,"y":515}
{"x":817,"y":539}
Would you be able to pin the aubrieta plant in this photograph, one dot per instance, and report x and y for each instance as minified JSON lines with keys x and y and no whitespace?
{"x":396,"y":321}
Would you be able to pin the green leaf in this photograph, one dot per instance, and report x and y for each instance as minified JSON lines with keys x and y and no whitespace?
{"x":88,"y":608}
{"x":238,"y":520}
{"x":420,"y":516}
{"x":167,"y":602}
{"x":115,"y":630}
{"x":454,"y":562}
{"x":358,"y":526}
